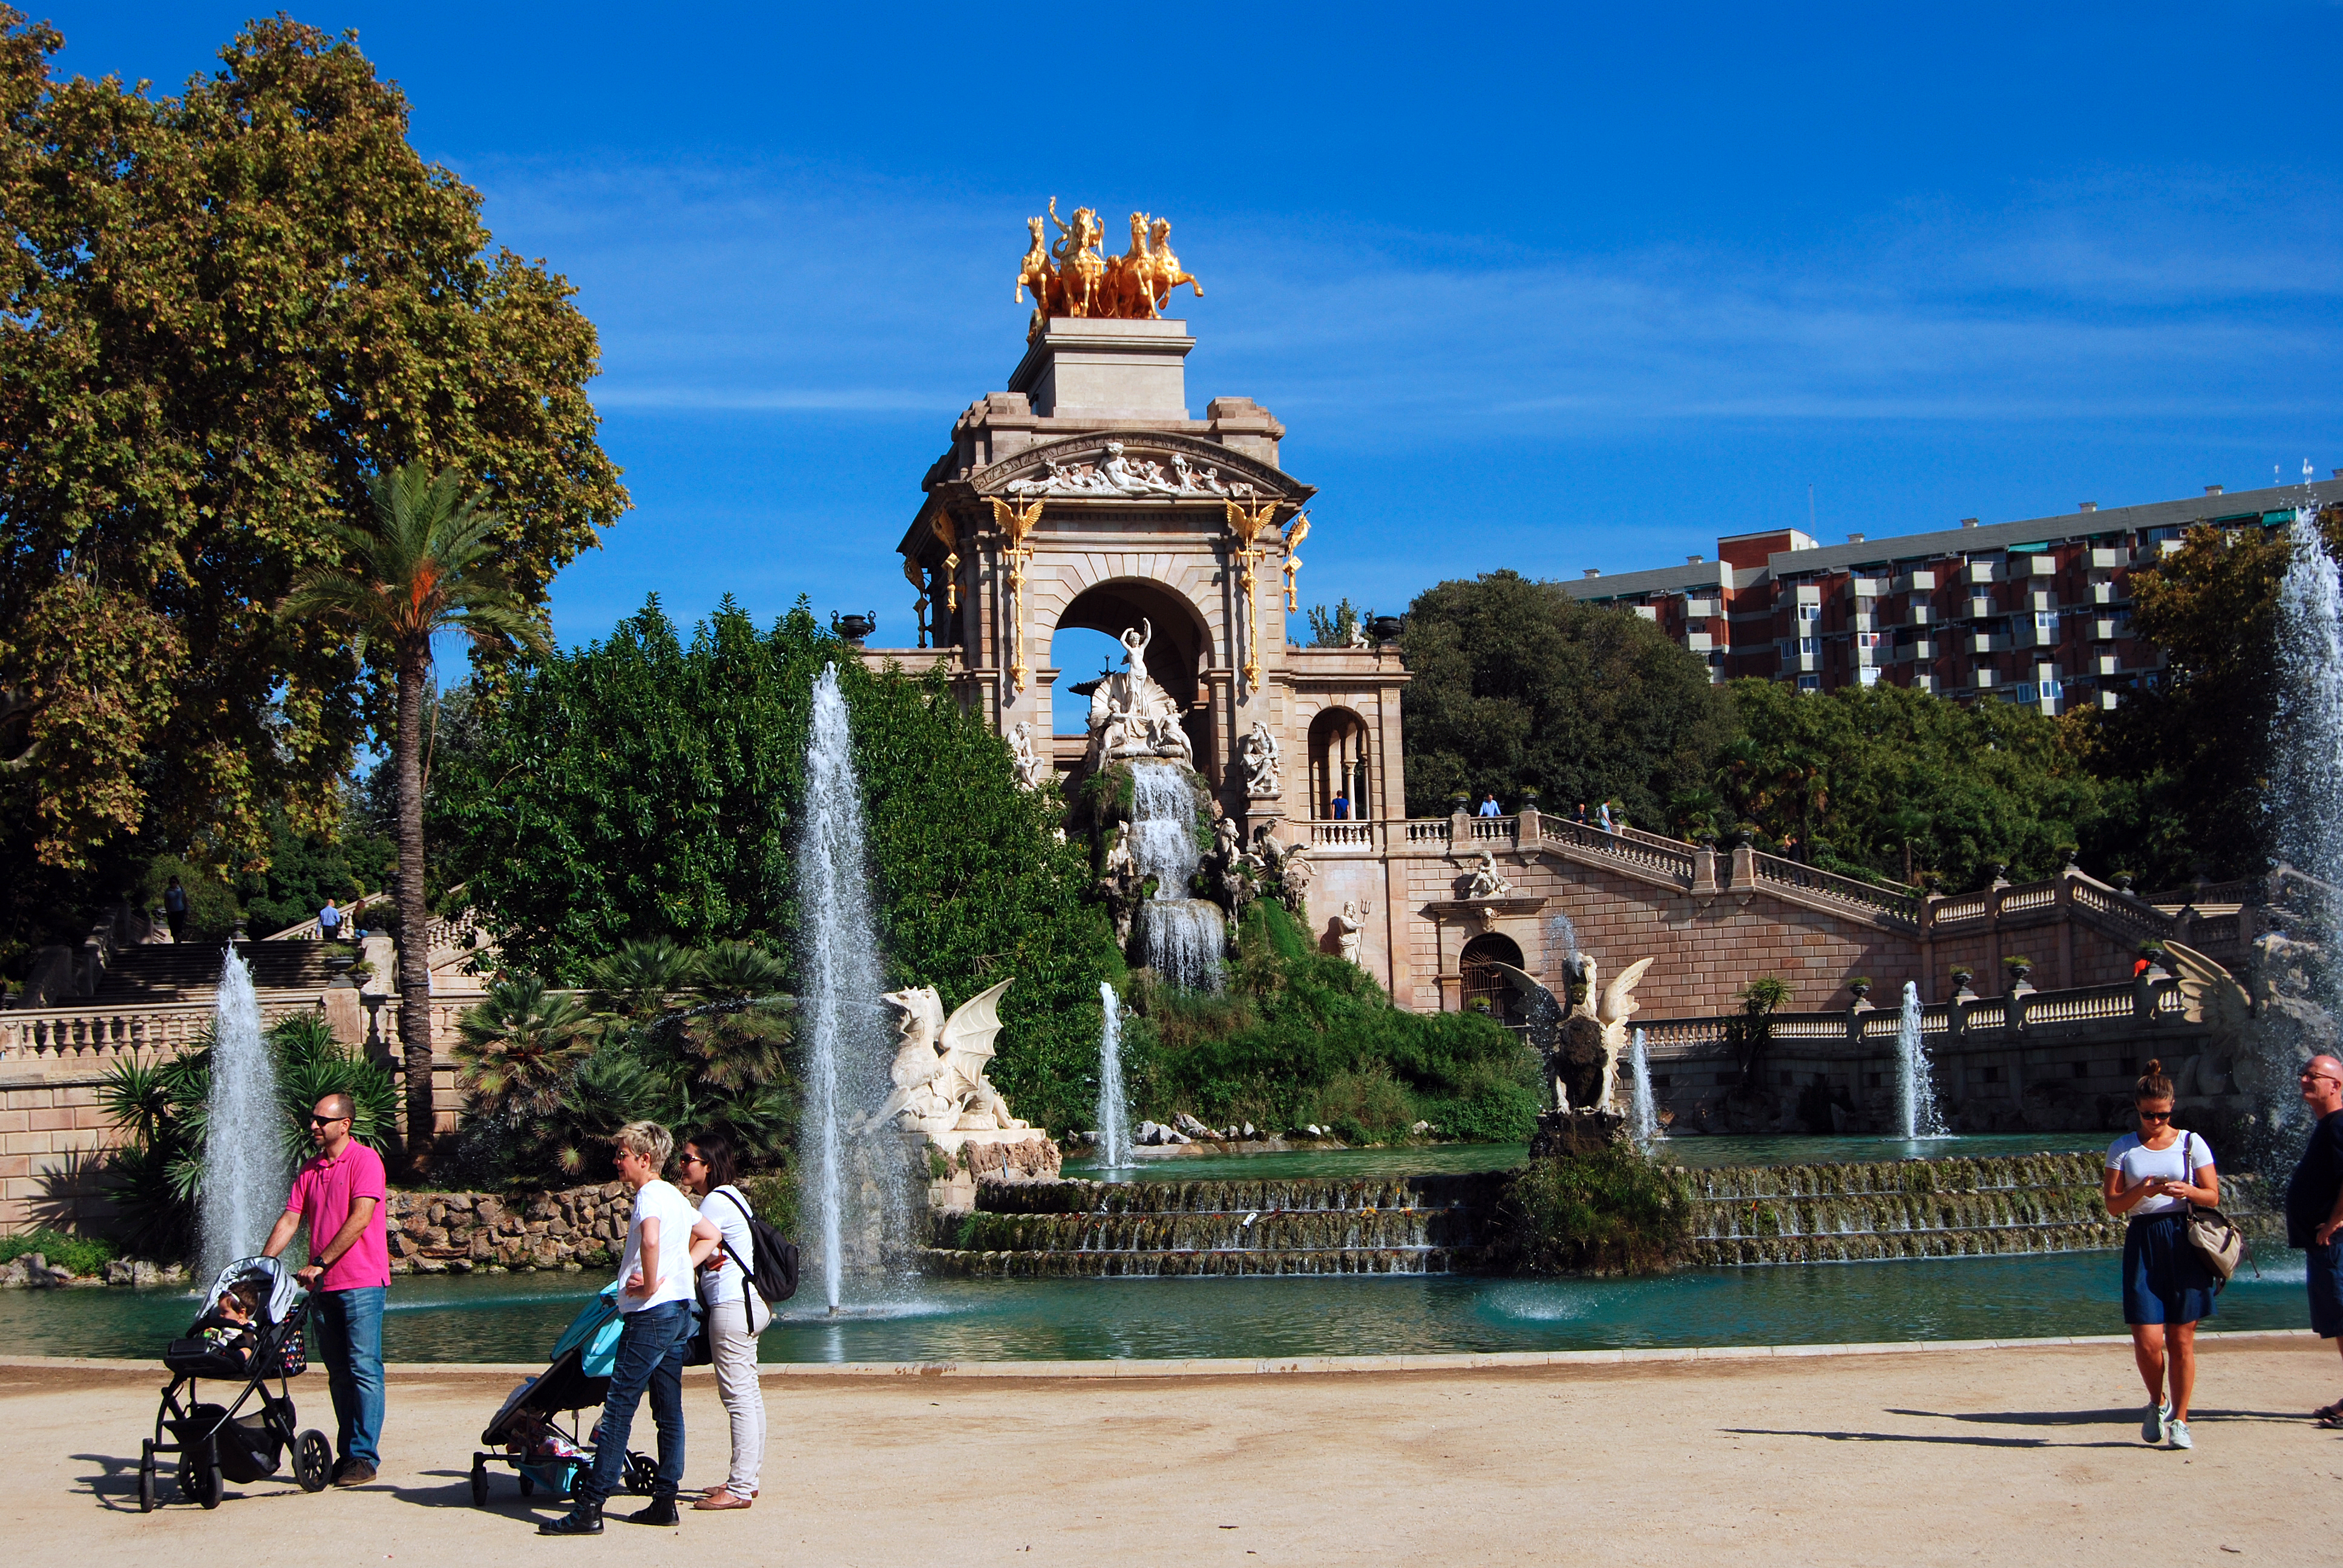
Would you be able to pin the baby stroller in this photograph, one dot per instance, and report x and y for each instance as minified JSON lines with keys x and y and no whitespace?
{"x":527,"y":1431}
{"x":220,"y":1443}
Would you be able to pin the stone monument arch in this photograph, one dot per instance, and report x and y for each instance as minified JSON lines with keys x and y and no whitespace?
{"x":1179,"y":648}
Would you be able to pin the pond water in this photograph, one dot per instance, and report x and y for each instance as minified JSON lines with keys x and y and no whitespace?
{"x":518,"y":1317}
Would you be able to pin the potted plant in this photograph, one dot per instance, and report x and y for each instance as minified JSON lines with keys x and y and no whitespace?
{"x":1961,"y":975}
{"x":1460,"y":803}
{"x":2123,"y":881}
{"x":2019,"y":966}
{"x":1861,"y":986}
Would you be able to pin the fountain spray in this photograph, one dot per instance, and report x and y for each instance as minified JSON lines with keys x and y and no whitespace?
{"x":244,"y":1160}
{"x":1915,"y":1094}
{"x":1113,"y":1113}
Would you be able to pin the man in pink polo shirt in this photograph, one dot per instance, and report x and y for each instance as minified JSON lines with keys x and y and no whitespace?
{"x":340,"y":1194}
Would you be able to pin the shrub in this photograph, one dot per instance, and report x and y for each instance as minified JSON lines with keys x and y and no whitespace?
{"x":1612,"y":1212}
{"x":1306,"y":1036}
{"x":82,"y":1254}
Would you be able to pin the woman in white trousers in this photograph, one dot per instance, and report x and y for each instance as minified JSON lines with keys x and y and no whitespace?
{"x":736,"y":1314}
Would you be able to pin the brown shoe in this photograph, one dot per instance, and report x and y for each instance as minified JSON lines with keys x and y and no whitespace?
{"x":719,"y":1498}
{"x":355,"y":1473}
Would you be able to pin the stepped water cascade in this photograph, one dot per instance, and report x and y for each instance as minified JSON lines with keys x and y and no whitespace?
{"x":1113,"y":1114}
{"x":1915,"y":1092}
{"x":1180,"y":936}
{"x":1920,"y":1208}
{"x":1397,"y":1225}
{"x":244,"y":1177}
{"x":1644,"y":1114}
{"x":859,"y":1194}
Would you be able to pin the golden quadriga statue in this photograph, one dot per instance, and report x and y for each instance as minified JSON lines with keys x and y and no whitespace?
{"x":1069,"y":277}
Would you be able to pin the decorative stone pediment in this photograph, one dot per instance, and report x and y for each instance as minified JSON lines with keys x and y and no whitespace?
{"x":1148,"y":465}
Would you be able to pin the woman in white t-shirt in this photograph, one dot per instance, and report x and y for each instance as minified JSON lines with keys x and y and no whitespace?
{"x":2154,"y":1175}
{"x":666,"y":1239}
{"x":737,"y":1314}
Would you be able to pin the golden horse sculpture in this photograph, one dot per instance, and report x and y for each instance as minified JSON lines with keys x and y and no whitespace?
{"x":1070,"y":277}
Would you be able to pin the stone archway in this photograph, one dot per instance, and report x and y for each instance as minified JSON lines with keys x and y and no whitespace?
{"x":1180,"y":648}
{"x":1481,"y":978}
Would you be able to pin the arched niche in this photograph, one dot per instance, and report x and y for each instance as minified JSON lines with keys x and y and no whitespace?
{"x":1179,"y":648}
{"x":1340,"y":742}
{"x":1481,"y":978}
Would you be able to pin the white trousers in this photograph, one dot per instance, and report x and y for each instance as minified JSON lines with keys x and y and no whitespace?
{"x":733,"y":1350}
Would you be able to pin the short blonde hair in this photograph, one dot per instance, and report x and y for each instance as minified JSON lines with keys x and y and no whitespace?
{"x":647,"y":1141}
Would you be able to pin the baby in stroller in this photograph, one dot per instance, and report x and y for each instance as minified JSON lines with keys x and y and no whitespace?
{"x":226,"y":1330}
{"x":248,"y":1333}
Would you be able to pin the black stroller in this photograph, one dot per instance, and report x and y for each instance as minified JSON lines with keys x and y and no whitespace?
{"x":527,"y":1429}
{"x":217,"y":1444}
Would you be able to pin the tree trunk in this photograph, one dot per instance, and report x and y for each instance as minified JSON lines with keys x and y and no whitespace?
{"x":414,"y":919}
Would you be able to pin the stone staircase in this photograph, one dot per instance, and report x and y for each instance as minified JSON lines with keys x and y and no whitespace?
{"x":1096,"y":1230}
{"x":152,"y":974}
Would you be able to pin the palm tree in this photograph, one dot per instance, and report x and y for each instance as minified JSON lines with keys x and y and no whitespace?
{"x":424,"y":561}
{"x":519,"y":1045}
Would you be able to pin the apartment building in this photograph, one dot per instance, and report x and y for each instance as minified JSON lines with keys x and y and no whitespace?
{"x":2037,"y":611}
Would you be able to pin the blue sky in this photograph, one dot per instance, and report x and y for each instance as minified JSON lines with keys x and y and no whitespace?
{"x":1546,"y":287}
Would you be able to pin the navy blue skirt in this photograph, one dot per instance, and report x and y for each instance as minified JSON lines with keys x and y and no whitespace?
{"x":2164,"y":1281}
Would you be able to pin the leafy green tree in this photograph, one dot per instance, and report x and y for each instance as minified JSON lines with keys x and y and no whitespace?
{"x":425,"y":560}
{"x":1338,"y":629}
{"x":1519,"y":686}
{"x":220,"y":312}
{"x":1850,"y":779}
{"x":641,"y":788}
{"x":2188,"y":763}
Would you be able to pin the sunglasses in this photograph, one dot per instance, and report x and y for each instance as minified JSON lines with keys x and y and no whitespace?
{"x":693,"y":1160}
{"x":326,"y":1121}
{"x":2156,"y":1116}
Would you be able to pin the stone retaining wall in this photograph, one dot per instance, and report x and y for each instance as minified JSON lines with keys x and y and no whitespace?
{"x":459,"y":1232}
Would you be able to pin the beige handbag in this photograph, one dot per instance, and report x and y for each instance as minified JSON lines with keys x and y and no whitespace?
{"x":2219,"y":1244}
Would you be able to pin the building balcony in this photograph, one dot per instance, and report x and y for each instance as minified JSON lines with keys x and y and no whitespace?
{"x":2034,"y":566}
{"x":1979,"y":607}
{"x":1917,"y":582}
{"x":2104,"y":559}
{"x":2109,"y":593}
{"x":1699,"y":641}
{"x":1701,"y":608}
{"x":1919,"y":615}
{"x":1977,"y":573}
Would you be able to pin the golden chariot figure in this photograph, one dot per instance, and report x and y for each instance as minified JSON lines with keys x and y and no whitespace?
{"x":1070,"y":277}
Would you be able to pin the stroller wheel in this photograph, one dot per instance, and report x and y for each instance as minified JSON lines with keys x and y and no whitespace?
{"x":479,"y":1481}
{"x":201,"y":1483}
{"x":527,"y":1486}
{"x":313,"y":1461}
{"x":147,"y":1477}
{"x":642,"y":1474}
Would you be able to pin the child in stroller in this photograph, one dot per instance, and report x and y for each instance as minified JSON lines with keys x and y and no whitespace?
{"x":527,"y":1427}
{"x":248,"y":1331}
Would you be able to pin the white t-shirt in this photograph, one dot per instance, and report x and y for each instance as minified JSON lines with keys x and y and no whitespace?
{"x":659,"y":1201}
{"x":2189,"y":1153}
{"x":720,"y":1277}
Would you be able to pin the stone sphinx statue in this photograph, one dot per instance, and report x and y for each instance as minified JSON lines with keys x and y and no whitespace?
{"x":939,"y":1071}
{"x":1131,"y":715}
{"x":1582,"y":1043}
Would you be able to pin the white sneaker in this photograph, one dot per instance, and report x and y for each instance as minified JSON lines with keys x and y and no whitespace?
{"x":2151,"y":1429}
{"x":2176,"y":1434}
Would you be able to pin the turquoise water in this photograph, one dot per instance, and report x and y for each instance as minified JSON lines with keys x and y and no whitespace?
{"x":517,"y":1317}
{"x":1762,"y":1150}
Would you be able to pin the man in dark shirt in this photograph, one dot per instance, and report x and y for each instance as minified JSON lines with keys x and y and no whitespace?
{"x":2314,"y":1208}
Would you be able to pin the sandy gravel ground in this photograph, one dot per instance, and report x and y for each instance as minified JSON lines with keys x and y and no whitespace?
{"x":1998,"y":1456}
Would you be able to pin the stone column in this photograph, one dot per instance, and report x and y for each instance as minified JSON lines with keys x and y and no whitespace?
{"x":1704,"y":871}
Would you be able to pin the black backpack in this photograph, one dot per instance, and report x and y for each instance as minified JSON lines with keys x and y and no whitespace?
{"x":776,"y":1273}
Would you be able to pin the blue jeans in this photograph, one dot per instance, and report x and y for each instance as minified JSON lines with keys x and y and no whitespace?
{"x":350,"y":1341}
{"x":650,"y":1355}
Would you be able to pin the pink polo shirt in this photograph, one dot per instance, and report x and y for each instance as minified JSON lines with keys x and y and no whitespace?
{"x":322,"y":1194}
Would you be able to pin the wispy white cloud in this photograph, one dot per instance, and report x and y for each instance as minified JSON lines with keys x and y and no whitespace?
{"x":792,"y":290}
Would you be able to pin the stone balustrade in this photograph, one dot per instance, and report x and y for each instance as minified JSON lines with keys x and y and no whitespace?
{"x":92,"y":1033}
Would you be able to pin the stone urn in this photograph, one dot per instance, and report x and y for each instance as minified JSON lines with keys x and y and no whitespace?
{"x":1862,"y":991}
{"x":1386,"y":627}
{"x":2021,"y":971}
{"x":1961,"y":986}
{"x":853,"y":628}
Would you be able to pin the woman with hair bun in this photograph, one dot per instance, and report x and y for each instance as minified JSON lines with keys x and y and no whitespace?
{"x":2154,"y":1175}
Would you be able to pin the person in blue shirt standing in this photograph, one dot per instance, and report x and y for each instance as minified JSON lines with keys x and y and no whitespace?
{"x":1489,"y":806}
{"x":329,"y":923}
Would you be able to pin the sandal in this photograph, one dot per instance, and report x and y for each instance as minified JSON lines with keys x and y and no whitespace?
{"x":2329,"y":1417}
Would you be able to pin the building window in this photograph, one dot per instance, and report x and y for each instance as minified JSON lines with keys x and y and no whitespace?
{"x":1810,"y":683}
{"x":1810,"y":645}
